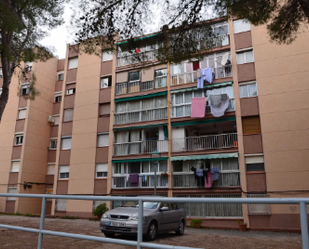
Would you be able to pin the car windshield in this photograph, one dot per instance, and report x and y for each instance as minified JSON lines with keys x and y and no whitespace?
{"x":148,"y":205}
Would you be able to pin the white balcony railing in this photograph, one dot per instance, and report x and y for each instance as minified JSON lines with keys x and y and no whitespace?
{"x":210,"y":142}
{"x":145,"y":181}
{"x":134,"y":86}
{"x":121,"y":88}
{"x":185,"y":78}
{"x":140,"y":147}
{"x":136,"y":58}
{"x":146,"y":85}
{"x":141,"y":116}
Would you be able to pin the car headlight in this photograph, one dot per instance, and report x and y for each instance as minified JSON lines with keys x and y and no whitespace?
{"x":105,"y":215}
{"x":135,"y":217}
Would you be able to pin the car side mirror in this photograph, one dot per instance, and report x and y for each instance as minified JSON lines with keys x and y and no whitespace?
{"x":164,"y":209}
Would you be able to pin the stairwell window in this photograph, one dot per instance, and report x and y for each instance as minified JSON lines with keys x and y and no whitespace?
{"x":106,"y":82}
{"x":73,"y":63}
{"x":107,"y":56}
{"x":251,"y":125}
{"x":60,"y":76}
{"x":247,"y":89}
{"x":28,"y":66}
{"x":61,"y":205}
{"x":56,"y":119}
{"x":241,"y":25}
{"x":243,"y":57}
{"x":12,"y":190}
{"x":66,"y":143}
{"x":1,"y":72}
{"x":58,"y":98}
{"x":101,"y":170}
{"x":64,"y":172}
{"x":24,"y":89}
{"x":103,"y":139}
{"x":70,"y":91}
{"x":53,"y":144}
{"x":22,"y":113}
{"x":0,"y":92}
{"x":15,"y":166}
{"x":19,"y":139}
{"x":68,"y":115}
{"x":254,"y":163}
{"x":51,"y":169}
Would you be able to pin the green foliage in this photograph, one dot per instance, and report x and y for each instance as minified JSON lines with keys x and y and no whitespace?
{"x":197,"y":223}
{"x":69,"y":217}
{"x":18,"y":213}
{"x":100,"y":209}
{"x":31,"y":215}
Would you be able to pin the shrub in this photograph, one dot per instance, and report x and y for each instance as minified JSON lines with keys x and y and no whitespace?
{"x":197,"y":223}
{"x":69,"y":217}
{"x":100,"y":210}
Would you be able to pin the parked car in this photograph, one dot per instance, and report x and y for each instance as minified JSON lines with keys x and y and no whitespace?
{"x":158,"y":217}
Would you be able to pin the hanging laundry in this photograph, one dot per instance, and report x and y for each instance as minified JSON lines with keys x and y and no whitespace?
{"x":201,"y":79}
{"x":198,"y":107}
{"x":218,"y":105}
{"x":199,"y":172}
{"x":199,"y":73}
{"x":215,"y":173}
{"x":144,"y":177}
{"x":199,"y":176}
{"x":196,"y":65}
{"x":208,"y":181}
{"x":209,"y":77}
{"x":133,"y":180}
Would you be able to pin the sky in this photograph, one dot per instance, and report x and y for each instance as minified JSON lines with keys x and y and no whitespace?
{"x":60,"y":36}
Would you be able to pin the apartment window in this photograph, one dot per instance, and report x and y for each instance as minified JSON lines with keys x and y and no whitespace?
{"x":258,"y":209}
{"x":160,"y":78}
{"x":134,"y":76}
{"x":104,"y":109}
{"x":51,"y":170}
{"x":244,"y":57}
{"x":68,"y":115}
{"x":61,"y":205}
{"x":60,"y":76}
{"x":19,"y":139}
{"x":103,"y":140}
{"x":28,"y":66}
{"x":1,"y":72}
{"x":0,"y":92}
{"x":56,"y":120}
{"x":12,"y":190}
{"x":73,"y":62}
{"x":254,"y":163}
{"x":107,"y":56}
{"x":64,"y":172}
{"x":15,"y":166}
{"x":22,"y":113}
{"x":101,"y":170}
{"x":58,"y":98}
{"x":66,"y":143}
{"x":106,"y":82}
{"x":24,"y":89}
{"x":247,"y":89}
{"x":251,"y":125}
{"x":241,"y":25}
{"x":70,"y":91}
{"x":53,"y":144}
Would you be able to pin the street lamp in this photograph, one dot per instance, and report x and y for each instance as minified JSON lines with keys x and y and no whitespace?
{"x":155,"y":155}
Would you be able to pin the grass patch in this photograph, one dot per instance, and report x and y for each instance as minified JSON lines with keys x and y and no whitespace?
{"x":69,"y":217}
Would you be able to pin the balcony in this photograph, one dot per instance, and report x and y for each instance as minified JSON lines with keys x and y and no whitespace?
{"x":211,"y":142}
{"x":190,"y":77}
{"x":129,"y":59}
{"x":145,"y":181}
{"x":141,"y":116}
{"x":140,"y":147}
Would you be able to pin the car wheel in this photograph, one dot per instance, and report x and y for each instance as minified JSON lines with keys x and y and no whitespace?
{"x":181,"y":228}
{"x":152,"y":231}
{"x":109,"y":235}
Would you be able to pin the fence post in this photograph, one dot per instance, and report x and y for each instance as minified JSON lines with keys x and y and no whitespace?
{"x":304,"y":224}
{"x":42,"y":219}
{"x":140,"y":224}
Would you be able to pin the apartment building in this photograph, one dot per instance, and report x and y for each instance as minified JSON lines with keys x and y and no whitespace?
{"x":108,"y":125}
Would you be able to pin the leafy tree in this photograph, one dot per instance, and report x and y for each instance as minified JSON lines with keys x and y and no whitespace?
{"x":99,"y":20}
{"x":23,"y":23}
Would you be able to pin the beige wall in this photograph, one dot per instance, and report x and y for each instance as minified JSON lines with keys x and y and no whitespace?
{"x":282,"y":73}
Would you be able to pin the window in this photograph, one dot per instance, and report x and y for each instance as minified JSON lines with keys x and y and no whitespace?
{"x":106,"y":82}
{"x":251,"y":125}
{"x":1,"y":72}
{"x":12,"y":190}
{"x":101,"y":170}
{"x":58,"y":98}
{"x":51,"y":170}
{"x":61,"y":205}
{"x":107,"y":56}
{"x":254,"y":163}
{"x":241,"y":25}
{"x":247,"y":89}
{"x":97,"y":203}
{"x":60,"y":76}
{"x":73,"y":62}
{"x":244,"y":57}
{"x":258,"y":209}
{"x":15,"y":166}
{"x":68,"y":115}
{"x":22,"y":114}
{"x":66,"y":143}
{"x":19,"y":139}
{"x":174,"y":206}
{"x":103,"y":140}
{"x":24,"y":89}
{"x":70,"y":91}
{"x":0,"y":92}
{"x":28,"y":66}
{"x":56,"y":120}
{"x":104,"y":109}
{"x":160,"y":78}
{"x":64,"y":172}
{"x":134,"y":76}
{"x":53,"y":144}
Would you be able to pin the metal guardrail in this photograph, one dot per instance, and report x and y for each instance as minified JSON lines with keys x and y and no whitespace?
{"x":139,"y":243}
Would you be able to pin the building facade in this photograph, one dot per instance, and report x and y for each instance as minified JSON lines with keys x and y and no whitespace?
{"x":109,"y":126}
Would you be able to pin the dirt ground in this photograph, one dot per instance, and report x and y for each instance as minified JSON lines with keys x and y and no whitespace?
{"x":200,"y":238}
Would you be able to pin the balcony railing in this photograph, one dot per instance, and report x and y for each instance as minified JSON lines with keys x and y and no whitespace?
{"x":141,"y":116}
{"x":140,"y":147}
{"x":187,"y":180}
{"x":210,"y":142}
{"x":185,"y":78}
{"x":136,"y":58}
{"x":145,"y":181}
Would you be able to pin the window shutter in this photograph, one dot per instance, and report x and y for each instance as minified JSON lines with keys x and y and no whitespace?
{"x":107,"y":56}
{"x":241,"y":26}
{"x":51,"y":170}
{"x":61,"y":205}
{"x":254,"y":159}
{"x":251,"y":125}
{"x":105,"y":109}
{"x":15,"y":166}
{"x":64,"y":169}
{"x":66,"y":143}
{"x":22,"y":114}
{"x":68,"y":115}
{"x":56,"y":118}
{"x":73,"y":63}
{"x":102,"y":167}
{"x":103,"y":140}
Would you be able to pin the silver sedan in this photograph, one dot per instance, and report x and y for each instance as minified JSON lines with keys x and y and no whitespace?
{"x":159,"y":217}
